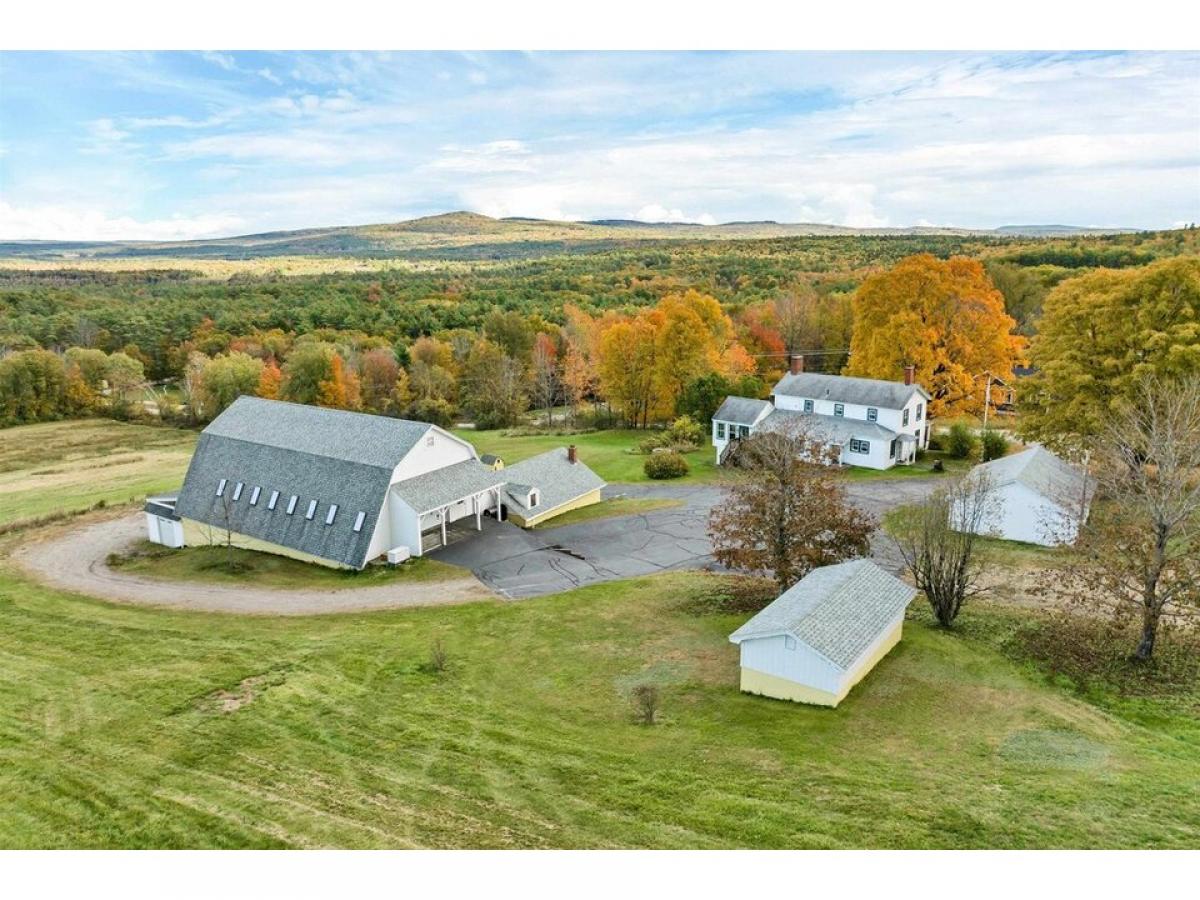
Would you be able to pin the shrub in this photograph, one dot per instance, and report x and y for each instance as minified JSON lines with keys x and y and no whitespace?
{"x":665,"y":465}
{"x":438,"y":660}
{"x":645,"y":703}
{"x":994,"y":444}
{"x":960,"y":441}
{"x":686,"y":430}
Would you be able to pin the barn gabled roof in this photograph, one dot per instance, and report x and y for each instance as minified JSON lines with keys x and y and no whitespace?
{"x":330,"y":456}
{"x":838,"y":610}
{"x":1042,"y":472}
{"x":848,"y":389}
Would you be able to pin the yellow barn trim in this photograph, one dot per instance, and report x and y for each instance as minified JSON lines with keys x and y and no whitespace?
{"x":200,"y":534}
{"x":587,"y":499}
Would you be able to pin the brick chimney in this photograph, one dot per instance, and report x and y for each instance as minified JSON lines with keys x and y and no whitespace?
{"x":910,"y":374}
{"x":797,"y":364}
{"x":572,"y":456}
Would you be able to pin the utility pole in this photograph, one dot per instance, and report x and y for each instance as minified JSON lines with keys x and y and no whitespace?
{"x":987,"y":399}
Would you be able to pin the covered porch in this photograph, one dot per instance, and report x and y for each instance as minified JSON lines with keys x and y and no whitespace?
{"x":464,"y":491}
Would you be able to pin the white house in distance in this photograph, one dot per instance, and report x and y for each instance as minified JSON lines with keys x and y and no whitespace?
{"x":1036,"y":497}
{"x":821,"y":636}
{"x":872,"y":423}
{"x":343,"y":488}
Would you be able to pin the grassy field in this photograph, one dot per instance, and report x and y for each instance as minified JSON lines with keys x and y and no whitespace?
{"x":919,"y":469}
{"x":70,"y":466}
{"x":251,"y":568}
{"x":606,"y":509}
{"x":123,"y":727}
{"x":605,"y":452}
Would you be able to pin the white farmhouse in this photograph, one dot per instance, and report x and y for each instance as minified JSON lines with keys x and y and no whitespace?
{"x":821,"y":636}
{"x":343,"y":488}
{"x":1035,"y":497}
{"x":871,"y":423}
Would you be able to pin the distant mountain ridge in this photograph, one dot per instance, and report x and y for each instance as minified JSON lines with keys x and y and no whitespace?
{"x":453,"y":234}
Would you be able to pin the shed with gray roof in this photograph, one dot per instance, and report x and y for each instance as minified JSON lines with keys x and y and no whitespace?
{"x":819,"y":638}
{"x":1035,"y":497}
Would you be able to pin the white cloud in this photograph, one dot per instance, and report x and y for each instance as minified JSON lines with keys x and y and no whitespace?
{"x":61,"y":223}
{"x":654,"y":212}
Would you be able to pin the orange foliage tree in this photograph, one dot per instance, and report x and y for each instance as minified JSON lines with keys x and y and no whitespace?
{"x":943,"y":316}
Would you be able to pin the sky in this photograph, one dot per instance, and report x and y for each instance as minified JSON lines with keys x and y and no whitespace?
{"x":181,"y":145}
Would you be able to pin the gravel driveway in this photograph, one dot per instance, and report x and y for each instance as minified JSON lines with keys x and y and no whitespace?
{"x":74,"y":560}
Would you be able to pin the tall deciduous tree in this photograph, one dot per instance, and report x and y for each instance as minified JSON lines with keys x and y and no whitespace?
{"x":493,"y":386}
{"x":786,"y":512}
{"x":628,"y":365}
{"x":943,"y":316}
{"x":1140,"y":548}
{"x":226,"y":378}
{"x":1100,"y":335}
{"x":545,"y":374}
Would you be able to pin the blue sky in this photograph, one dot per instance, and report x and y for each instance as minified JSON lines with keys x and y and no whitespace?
{"x":187,"y":144}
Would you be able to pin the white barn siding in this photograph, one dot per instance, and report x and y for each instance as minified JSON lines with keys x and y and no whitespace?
{"x":1022,"y":514}
{"x":801,"y":663}
{"x":436,"y":450}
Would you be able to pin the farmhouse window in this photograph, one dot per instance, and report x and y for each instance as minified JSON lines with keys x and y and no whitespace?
{"x":872,"y":414}
{"x":839,"y":409}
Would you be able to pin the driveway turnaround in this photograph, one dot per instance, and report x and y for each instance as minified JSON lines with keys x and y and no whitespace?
{"x":518,"y":563}
{"x":503,"y":558}
{"x":74,"y":560}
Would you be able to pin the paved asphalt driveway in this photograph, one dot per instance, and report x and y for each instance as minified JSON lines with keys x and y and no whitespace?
{"x":519,"y":563}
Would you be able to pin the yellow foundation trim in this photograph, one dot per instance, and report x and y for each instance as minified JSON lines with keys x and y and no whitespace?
{"x":869,"y":662}
{"x":198,"y":534}
{"x":584,"y":500}
{"x":755,"y":682}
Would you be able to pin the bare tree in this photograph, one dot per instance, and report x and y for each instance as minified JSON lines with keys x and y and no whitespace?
{"x":1140,"y":548}
{"x":937,"y":541}
{"x":786,"y":511}
{"x":645,"y":703}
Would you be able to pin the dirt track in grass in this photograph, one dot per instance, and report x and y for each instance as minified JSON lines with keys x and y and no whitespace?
{"x":73,"y":558}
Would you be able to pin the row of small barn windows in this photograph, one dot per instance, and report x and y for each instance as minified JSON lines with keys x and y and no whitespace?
{"x":291,"y":504}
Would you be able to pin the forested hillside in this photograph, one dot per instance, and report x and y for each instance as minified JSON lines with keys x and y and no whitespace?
{"x":491,"y":337}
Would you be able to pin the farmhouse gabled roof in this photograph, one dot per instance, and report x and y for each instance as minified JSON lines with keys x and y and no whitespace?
{"x":557,"y":479}
{"x":833,"y":429}
{"x":330,"y":456}
{"x":1042,"y":472}
{"x":742,"y":410}
{"x":847,"y":389}
{"x":838,"y":610}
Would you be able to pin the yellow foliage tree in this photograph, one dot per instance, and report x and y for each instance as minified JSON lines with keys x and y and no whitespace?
{"x":943,"y":316}
{"x":628,"y":364}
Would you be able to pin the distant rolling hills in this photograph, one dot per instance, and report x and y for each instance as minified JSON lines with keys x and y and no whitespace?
{"x":468,"y":235}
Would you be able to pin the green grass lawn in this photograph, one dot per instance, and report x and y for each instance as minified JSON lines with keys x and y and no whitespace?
{"x":62,"y":467}
{"x":920,"y":469}
{"x":126,"y":727}
{"x":251,"y":568}
{"x":605,"y":452}
{"x":605,"y":509}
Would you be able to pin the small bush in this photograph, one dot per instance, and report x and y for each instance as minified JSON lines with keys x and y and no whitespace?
{"x":645,"y":703}
{"x":686,"y":430}
{"x":665,"y":465}
{"x":960,"y":441}
{"x":438,"y":660}
{"x":994,"y":444}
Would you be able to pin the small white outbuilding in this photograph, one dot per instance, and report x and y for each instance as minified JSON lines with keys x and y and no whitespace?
{"x":1035,"y":497}
{"x":820,"y":637}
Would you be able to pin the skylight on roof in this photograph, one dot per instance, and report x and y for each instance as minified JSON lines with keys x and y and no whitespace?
{"x":274,"y":499}
{"x":237,"y":490}
{"x":221,"y":487}
{"x":292,"y":505}
{"x":312,"y":509}
{"x":358,"y":521}
{"x":254,"y":495}
{"x":332,"y":512}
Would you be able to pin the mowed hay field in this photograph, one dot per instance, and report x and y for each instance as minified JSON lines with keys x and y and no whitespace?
{"x":61,"y":467}
{"x":129,"y":727}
